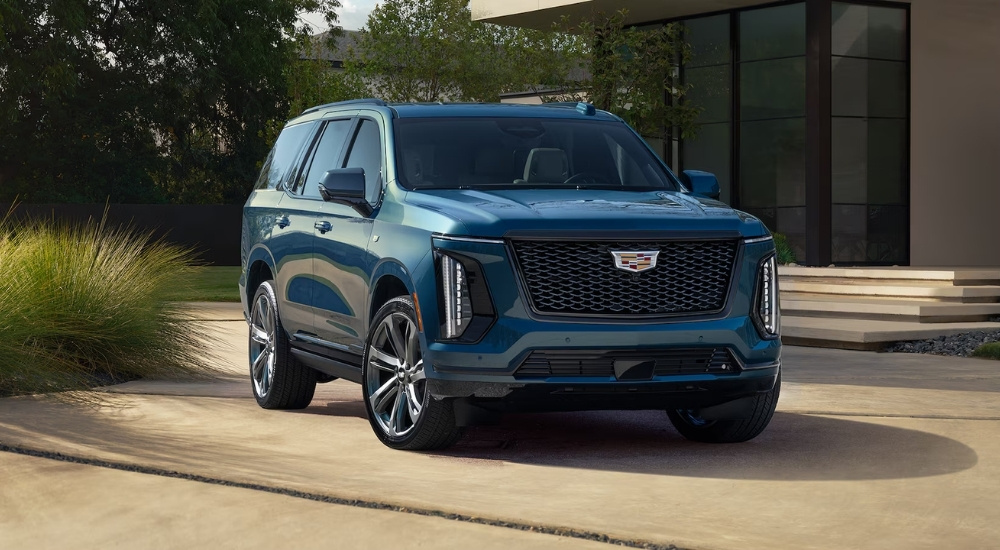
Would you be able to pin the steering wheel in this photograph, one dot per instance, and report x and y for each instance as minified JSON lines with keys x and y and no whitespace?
{"x":587,"y":177}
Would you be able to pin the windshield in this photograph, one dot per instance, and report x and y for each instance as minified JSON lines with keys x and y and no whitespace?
{"x":489,"y":153}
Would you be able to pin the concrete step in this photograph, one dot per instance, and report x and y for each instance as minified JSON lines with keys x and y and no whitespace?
{"x":863,"y":334}
{"x":970,"y":276}
{"x":930,"y":291}
{"x":908,"y":310}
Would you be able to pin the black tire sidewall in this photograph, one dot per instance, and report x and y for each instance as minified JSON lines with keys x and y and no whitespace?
{"x":402,"y":304}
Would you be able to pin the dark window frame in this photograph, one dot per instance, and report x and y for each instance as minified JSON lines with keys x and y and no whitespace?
{"x":819,"y":201}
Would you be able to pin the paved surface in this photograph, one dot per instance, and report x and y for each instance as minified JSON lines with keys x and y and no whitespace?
{"x":867,"y":451}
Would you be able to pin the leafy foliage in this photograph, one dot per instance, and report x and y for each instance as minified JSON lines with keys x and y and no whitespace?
{"x":785,"y":253}
{"x":84,"y":304}
{"x":432,"y":50}
{"x":632,"y":72}
{"x":988,"y":351}
{"x":142,"y":101}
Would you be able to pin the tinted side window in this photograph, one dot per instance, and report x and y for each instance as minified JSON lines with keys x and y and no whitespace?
{"x":326,"y":155}
{"x":284,"y":153}
{"x":366,"y":152}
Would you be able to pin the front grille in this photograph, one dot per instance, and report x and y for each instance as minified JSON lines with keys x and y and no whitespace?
{"x":544,"y":363}
{"x":580,"y":277}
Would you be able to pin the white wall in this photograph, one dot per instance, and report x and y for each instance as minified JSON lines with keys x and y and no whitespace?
{"x":955,"y":133}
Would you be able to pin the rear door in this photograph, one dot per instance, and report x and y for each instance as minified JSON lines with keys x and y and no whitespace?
{"x":290,"y":238}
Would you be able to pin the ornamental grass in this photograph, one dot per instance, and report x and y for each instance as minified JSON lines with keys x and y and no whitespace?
{"x":83,"y":305}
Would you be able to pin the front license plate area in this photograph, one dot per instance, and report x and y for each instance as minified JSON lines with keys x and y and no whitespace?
{"x":634,"y":369}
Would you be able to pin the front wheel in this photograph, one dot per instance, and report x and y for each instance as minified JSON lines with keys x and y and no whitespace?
{"x":691,"y":425}
{"x":402,"y":412}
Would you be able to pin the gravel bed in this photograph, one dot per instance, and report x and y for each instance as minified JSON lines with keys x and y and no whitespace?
{"x":958,"y":345}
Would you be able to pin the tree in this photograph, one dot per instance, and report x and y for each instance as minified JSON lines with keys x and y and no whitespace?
{"x":432,"y":50}
{"x":142,"y":100}
{"x":631,"y":72}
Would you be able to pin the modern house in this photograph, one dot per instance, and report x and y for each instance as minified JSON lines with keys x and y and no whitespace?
{"x":868,"y":132}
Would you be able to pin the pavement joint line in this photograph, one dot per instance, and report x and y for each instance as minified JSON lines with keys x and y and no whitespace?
{"x":891,"y":415}
{"x":811,"y":412}
{"x":356,"y":503}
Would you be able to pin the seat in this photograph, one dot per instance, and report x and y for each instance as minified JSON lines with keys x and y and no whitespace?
{"x":546,"y":165}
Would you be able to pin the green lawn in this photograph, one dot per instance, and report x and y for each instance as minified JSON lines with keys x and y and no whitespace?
{"x":210,"y":284}
{"x":988,"y":351}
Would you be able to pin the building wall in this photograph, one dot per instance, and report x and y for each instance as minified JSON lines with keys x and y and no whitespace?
{"x":955,"y":133}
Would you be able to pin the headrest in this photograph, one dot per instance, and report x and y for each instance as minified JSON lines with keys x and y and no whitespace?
{"x":546,"y":166}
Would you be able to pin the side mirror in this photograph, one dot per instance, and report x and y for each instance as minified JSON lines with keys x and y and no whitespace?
{"x":345,"y":186}
{"x":701,"y":183}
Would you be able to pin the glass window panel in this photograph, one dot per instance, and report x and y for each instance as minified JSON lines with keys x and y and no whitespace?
{"x":886,"y":33}
{"x":887,"y":234}
{"x":773,"y":32}
{"x":710,"y":151}
{"x":849,"y":228}
{"x":279,"y":162}
{"x":710,"y":90}
{"x":887,"y":89}
{"x":863,"y":87}
{"x":326,"y":156}
{"x":850,"y":160}
{"x":772,"y":163}
{"x":709,"y":40}
{"x":887,"y":161}
{"x":366,"y":152}
{"x":850,"y":30}
{"x":849,"y":87}
{"x":792,"y":224}
{"x":773,"y":89}
{"x":869,"y":31}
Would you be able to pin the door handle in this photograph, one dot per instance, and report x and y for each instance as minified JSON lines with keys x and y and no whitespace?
{"x":323,"y":226}
{"x":283,"y":222}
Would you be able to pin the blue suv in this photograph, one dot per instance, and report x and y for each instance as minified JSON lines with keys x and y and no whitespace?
{"x":460,"y":261}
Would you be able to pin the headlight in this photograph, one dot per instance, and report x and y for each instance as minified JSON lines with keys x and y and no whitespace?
{"x":767,"y":311}
{"x":463,"y":298}
{"x":457,"y":302}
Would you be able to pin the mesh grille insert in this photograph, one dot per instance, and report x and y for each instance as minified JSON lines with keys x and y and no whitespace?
{"x":581,"y":277}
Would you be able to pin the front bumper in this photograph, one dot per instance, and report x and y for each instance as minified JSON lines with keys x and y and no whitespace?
{"x":576,"y":393}
{"x":487,"y":371}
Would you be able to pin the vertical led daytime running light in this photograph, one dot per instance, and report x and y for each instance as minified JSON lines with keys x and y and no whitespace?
{"x":457,"y":303}
{"x":768,"y":307}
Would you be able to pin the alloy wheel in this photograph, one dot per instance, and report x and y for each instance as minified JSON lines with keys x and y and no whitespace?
{"x":262,"y":345}
{"x":394,"y":381}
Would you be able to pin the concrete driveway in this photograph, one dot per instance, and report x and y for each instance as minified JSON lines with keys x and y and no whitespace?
{"x":866,"y":451}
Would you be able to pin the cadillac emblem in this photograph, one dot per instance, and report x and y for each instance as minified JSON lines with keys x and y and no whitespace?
{"x":635,"y":262}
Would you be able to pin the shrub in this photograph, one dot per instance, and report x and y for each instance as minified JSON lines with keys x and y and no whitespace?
{"x":785,"y":253}
{"x":83,"y":304}
{"x":988,"y":351}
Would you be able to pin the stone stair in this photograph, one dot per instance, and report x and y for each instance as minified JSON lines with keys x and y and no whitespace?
{"x":867,"y":308}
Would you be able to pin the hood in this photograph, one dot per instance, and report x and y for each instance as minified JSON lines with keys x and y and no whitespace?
{"x":496,"y":213}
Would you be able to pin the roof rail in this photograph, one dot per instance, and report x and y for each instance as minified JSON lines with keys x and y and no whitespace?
{"x":365,"y":101}
{"x":585,"y":108}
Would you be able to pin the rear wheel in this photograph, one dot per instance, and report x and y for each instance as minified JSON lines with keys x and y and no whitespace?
{"x":402,"y":412}
{"x":691,"y":425}
{"x":279,"y":381}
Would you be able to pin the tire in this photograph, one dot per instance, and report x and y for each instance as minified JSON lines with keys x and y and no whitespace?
{"x":403,"y":414}
{"x":278,"y":380}
{"x":737,"y":430}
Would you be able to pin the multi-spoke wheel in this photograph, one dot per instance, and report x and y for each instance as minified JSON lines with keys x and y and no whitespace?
{"x":402,"y":412}
{"x":278,"y":380}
